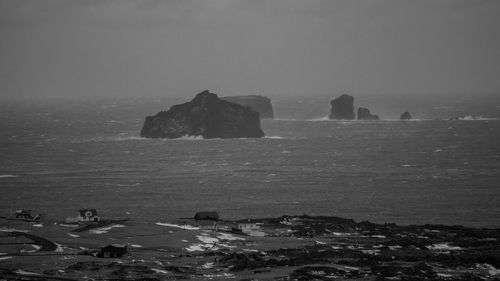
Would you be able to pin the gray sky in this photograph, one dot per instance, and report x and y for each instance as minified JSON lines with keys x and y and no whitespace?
{"x":91,"y":48}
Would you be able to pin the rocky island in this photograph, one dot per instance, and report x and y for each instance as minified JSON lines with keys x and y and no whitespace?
{"x":258,"y":103}
{"x":405,"y":116}
{"x":206,"y":116}
{"x":342,"y":108}
{"x":365,"y":114}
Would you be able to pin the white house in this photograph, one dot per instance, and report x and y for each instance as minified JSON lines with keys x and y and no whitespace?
{"x":87,"y":215}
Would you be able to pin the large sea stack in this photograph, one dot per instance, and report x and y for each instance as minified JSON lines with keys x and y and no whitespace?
{"x":207,"y":116}
{"x":258,"y":103}
{"x":343,"y":108}
{"x":365,"y":114}
{"x":405,"y":116}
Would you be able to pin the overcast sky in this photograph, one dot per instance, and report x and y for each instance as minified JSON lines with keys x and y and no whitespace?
{"x":91,"y":48}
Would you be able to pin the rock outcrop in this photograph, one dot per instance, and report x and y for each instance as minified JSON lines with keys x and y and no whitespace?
{"x":207,"y":116}
{"x":342,"y":108}
{"x":405,"y":116}
{"x":258,"y":103}
{"x":365,"y":114}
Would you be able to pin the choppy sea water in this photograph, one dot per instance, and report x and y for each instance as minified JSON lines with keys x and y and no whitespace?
{"x":57,"y":157}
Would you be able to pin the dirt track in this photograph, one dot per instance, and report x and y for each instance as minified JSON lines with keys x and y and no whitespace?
{"x":46,"y":245}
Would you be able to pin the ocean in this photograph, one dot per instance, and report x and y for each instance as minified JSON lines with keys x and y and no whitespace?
{"x":58,"y":156}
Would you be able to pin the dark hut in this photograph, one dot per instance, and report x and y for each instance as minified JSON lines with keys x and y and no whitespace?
{"x":211,"y":216}
{"x":112,"y":251}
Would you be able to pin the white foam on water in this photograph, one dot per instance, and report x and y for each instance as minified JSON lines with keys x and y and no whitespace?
{"x":136,"y":246}
{"x":109,"y":139}
{"x":5,"y":258}
{"x":320,"y":119}
{"x":22,"y":272}
{"x":208,"y":243}
{"x":378,"y":236}
{"x":187,"y":137}
{"x":274,"y":137}
{"x":68,"y":225}
{"x":200,"y":247}
{"x":208,"y":265}
{"x":475,"y":118}
{"x":7,"y":176}
{"x":492,"y":271}
{"x":60,"y":248}
{"x":284,"y":119}
{"x":207,"y":239}
{"x":159,"y":270}
{"x":185,"y":226}
{"x":226,"y":246}
{"x":371,"y":252}
{"x":218,"y":276}
{"x":38,"y":225}
{"x":35,"y":248}
{"x":443,"y":247}
{"x":73,"y":235}
{"x":250,"y":250}
{"x":7,"y":229}
{"x":103,"y":230}
{"x":342,"y":233}
{"x":227,"y":236}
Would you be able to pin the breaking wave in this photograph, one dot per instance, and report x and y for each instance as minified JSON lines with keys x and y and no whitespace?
{"x":7,"y":176}
{"x":475,"y":118}
{"x":285,"y":119}
{"x":109,"y":139}
{"x":103,"y":230}
{"x":185,"y":226}
{"x":187,"y":137}
{"x":324,"y":118}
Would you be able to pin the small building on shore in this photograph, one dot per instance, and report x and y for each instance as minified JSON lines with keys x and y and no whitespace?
{"x":247,"y":227}
{"x":87,"y":215}
{"x":113,"y":251}
{"x":24,"y":214}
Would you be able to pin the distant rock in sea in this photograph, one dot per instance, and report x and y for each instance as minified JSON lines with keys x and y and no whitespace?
{"x":258,"y":103}
{"x":405,"y":116}
{"x":365,"y":114}
{"x":342,"y":108}
{"x":207,"y":116}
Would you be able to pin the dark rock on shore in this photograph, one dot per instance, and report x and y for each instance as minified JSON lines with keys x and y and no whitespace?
{"x":207,"y":116}
{"x":349,"y":250}
{"x":365,"y":114}
{"x":342,"y":108}
{"x":405,"y":116}
{"x":258,"y":103}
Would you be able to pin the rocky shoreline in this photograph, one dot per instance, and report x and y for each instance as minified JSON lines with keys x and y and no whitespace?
{"x":285,"y":248}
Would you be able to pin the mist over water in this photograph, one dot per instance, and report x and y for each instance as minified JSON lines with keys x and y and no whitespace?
{"x":60,"y":156}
